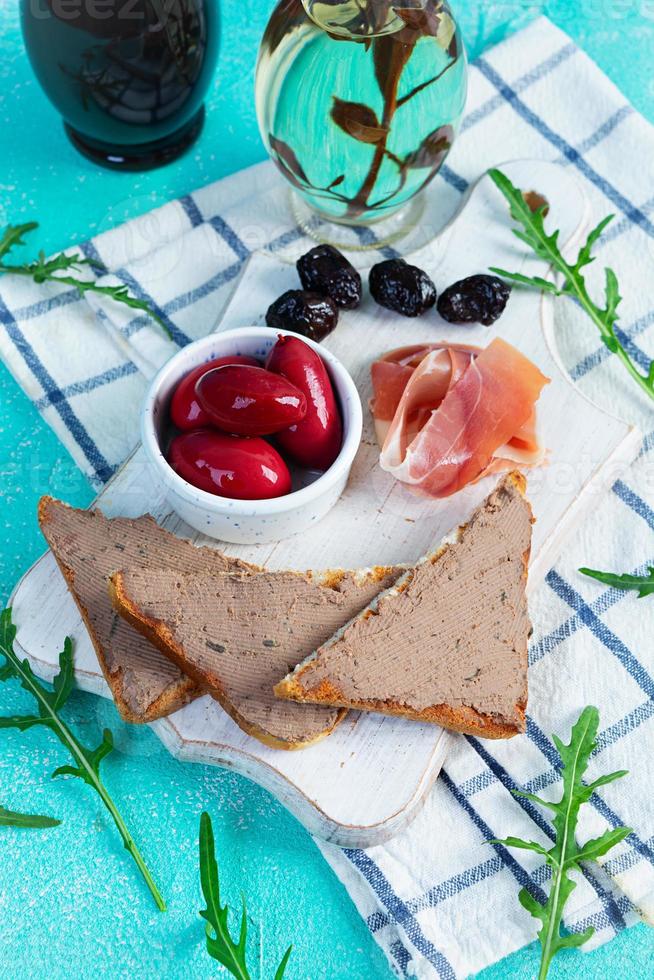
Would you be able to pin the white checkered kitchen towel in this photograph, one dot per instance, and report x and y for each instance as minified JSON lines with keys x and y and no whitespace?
{"x":439,"y":899}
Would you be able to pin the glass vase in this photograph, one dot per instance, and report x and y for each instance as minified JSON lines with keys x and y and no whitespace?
{"x":128,"y":76}
{"x":358,"y":103}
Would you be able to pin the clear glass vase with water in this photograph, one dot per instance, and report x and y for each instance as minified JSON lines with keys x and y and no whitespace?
{"x":358,"y":104}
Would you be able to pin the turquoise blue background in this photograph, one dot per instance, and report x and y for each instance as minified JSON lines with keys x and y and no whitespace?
{"x":71,"y":904}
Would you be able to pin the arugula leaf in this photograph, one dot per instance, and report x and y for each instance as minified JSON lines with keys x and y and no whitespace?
{"x":566,"y":854}
{"x":10,"y":818}
{"x":220,"y":944}
{"x":47,"y":270}
{"x":13,"y":235}
{"x":49,"y":704}
{"x":642,"y":584}
{"x":533,"y":233}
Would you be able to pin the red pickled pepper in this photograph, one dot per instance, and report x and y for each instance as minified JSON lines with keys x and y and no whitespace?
{"x":244,"y":468}
{"x":186,"y":412}
{"x":316,"y":441}
{"x":226,"y":404}
{"x":250,"y":401}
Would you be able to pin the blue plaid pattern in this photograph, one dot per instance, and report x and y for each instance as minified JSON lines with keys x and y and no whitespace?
{"x":439,"y":899}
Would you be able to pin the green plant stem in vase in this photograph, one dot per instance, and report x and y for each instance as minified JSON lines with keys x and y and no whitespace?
{"x":358,"y":104}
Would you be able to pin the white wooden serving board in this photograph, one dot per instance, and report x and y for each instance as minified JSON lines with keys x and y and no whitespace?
{"x":365,"y":782}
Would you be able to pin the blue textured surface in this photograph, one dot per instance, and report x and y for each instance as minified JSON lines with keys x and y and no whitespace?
{"x":70,"y":902}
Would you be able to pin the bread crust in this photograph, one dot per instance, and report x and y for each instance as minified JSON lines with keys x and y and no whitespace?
{"x":193,"y":683}
{"x":158,"y":633}
{"x":463,"y":719}
{"x":175,"y":696}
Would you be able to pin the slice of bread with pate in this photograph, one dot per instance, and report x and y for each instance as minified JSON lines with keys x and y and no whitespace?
{"x":238,"y":634}
{"x":88,"y":547}
{"x":145,"y":684}
{"x":448,"y":642}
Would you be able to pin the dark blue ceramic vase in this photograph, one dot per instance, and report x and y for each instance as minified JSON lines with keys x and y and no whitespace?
{"x":128,"y":76}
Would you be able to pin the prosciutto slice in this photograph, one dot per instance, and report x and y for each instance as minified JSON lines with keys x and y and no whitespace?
{"x":446,"y":416}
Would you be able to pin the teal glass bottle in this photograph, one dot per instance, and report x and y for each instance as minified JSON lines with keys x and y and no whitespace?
{"x":359,"y":101}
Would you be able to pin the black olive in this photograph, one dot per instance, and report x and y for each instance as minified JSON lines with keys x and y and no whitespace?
{"x":325,"y":270}
{"x":404,"y":288}
{"x":308,"y":314}
{"x":477,"y":299}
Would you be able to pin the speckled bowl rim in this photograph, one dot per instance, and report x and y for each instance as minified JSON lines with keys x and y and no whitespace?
{"x":346,"y":391}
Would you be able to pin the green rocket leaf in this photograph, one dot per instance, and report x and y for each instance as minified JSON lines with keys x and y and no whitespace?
{"x":49,"y":704}
{"x":220,"y":944}
{"x":642,"y":584}
{"x":545,"y":245}
{"x":43,"y":270}
{"x":566,"y":853}
{"x":10,"y":818}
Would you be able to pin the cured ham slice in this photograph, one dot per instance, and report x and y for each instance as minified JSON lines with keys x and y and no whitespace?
{"x":431,"y":369}
{"x":447,"y":416}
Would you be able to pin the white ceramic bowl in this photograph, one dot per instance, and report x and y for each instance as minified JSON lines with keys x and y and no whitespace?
{"x":247,"y":521}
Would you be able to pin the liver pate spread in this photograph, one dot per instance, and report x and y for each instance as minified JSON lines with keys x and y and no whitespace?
{"x":88,"y":548}
{"x":240,"y":634}
{"x":147,"y":685}
{"x":453,"y":631}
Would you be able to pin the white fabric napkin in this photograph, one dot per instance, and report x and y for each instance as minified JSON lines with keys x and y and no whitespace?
{"x":439,"y":899}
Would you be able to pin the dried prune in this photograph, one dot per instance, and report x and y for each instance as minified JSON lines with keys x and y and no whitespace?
{"x":309,"y":314}
{"x":477,"y":299}
{"x":401,"y":287}
{"x":325,"y":270}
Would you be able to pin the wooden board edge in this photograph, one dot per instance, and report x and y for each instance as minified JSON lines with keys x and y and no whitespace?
{"x":312,"y":816}
{"x":624,"y":453}
{"x":307,"y":811}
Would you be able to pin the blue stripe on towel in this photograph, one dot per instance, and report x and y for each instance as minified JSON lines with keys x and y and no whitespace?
{"x":90,"y":384}
{"x":205,"y":289}
{"x":619,"y":729}
{"x":442,"y":892}
{"x":228,"y":234}
{"x":626,"y":336}
{"x":519,"y":873}
{"x":100,"y":465}
{"x":604,"y":131}
{"x":458,"y":883}
{"x":625,"y":861}
{"x":398,"y":909}
{"x":367,"y":236}
{"x":478,"y":783}
{"x":648,"y":444}
{"x":43,"y":306}
{"x":524,"y":82}
{"x":606,"y":600}
{"x":192,"y":210}
{"x":286,"y":238}
{"x":619,"y":227}
{"x":401,"y":956}
{"x":536,"y":122}
{"x":179,"y":337}
{"x":601,"y":920}
{"x":636,"y":503}
{"x":457,"y":182}
{"x":601,"y":631}
{"x":91,"y":253}
{"x":186,"y":299}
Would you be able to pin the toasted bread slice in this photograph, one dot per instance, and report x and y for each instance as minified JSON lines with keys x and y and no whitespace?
{"x":145,"y":684}
{"x":238,"y":634}
{"x":448,"y":642}
{"x":88,"y":547}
